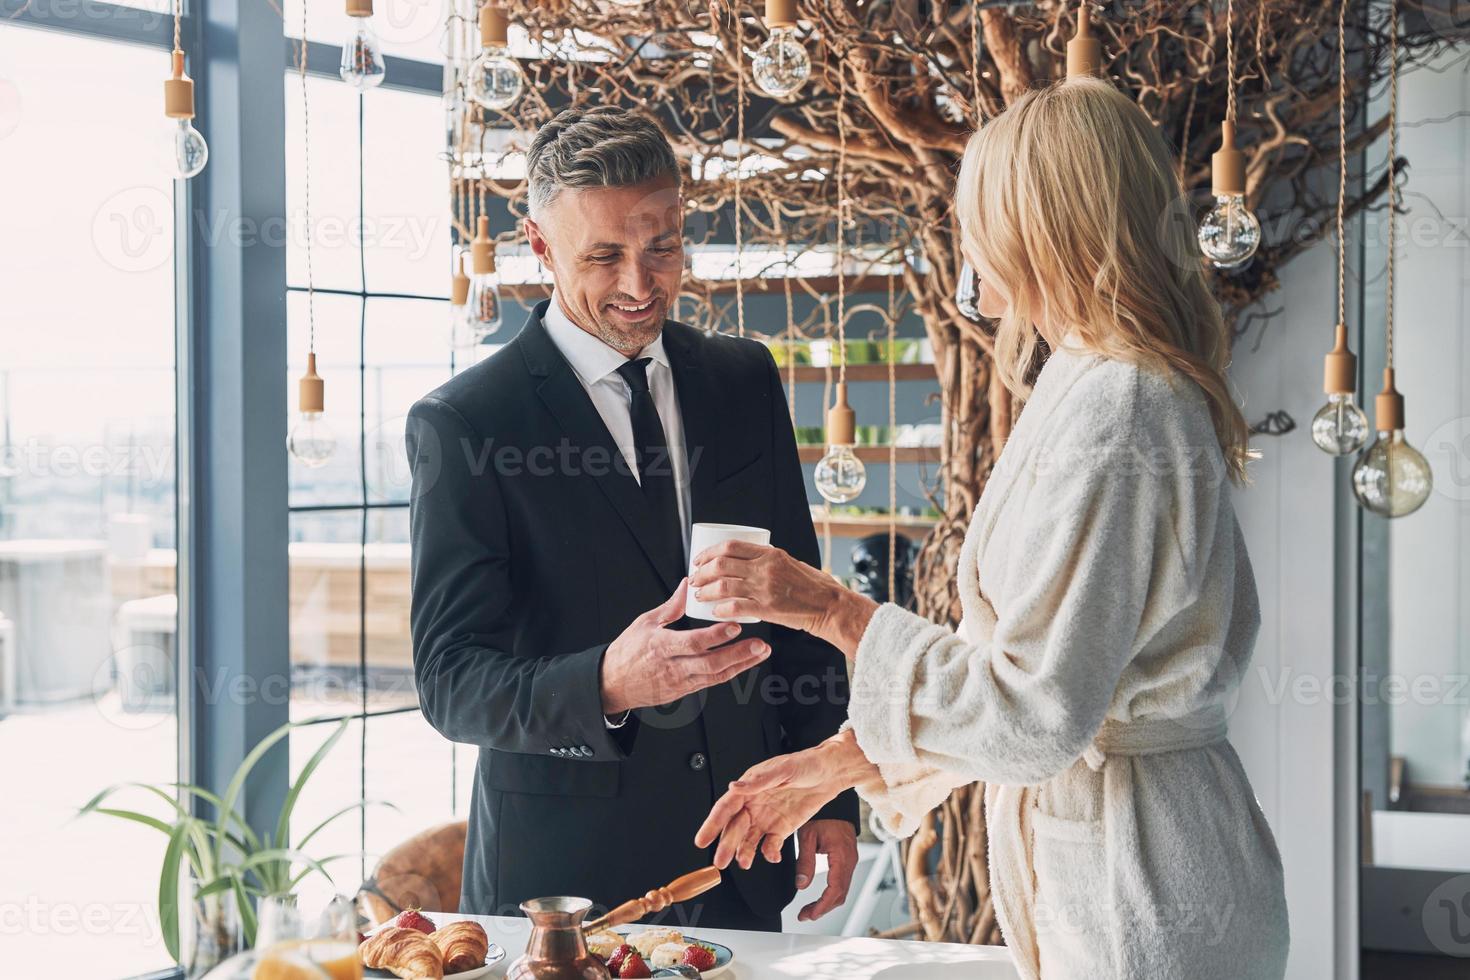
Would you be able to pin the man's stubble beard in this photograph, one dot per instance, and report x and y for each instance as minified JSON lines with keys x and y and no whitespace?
{"x":630,"y":342}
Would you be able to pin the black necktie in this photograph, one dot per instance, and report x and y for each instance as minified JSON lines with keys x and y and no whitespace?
{"x":655,"y":465}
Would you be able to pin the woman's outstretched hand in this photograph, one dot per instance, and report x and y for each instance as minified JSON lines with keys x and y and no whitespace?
{"x":774,"y":799}
{"x":738,"y":578}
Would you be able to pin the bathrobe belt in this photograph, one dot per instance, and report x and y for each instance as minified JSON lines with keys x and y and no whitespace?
{"x":1009,"y":811}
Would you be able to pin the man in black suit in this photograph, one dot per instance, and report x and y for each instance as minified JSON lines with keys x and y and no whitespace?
{"x":554,"y":485}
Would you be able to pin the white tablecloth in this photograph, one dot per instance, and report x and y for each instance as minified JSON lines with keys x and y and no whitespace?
{"x":759,"y":955}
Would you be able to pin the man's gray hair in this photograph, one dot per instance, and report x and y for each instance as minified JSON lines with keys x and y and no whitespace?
{"x":604,"y":146}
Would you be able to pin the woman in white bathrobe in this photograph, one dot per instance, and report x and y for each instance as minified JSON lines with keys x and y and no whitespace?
{"x":1109,"y":605}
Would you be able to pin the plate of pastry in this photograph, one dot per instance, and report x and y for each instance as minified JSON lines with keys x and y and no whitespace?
{"x":412,"y":945}
{"x":642,"y":951}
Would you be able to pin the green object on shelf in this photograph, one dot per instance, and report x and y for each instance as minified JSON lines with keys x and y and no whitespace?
{"x":810,"y":435}
{"x":785,"y":354}
{"x":905,"y":352}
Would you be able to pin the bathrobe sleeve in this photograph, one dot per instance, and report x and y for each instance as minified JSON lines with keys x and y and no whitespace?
{"x":1094,"y":555}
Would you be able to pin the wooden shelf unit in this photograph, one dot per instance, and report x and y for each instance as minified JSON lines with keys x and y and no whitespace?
{"x":860,"y":526}
{"x":865,"y":372}
{"x":876,"y":454}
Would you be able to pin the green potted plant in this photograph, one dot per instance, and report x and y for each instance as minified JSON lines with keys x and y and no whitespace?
{"x":229,"y":864}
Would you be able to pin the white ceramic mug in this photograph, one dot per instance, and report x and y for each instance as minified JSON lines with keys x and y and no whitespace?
{"x":704,"y":536}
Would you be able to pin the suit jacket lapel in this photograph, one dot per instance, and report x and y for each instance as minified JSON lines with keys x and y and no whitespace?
{"x":697,"y":409}
{"x":724,"y":714}
{"x":562,"y":393}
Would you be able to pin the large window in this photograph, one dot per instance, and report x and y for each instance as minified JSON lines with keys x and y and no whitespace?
{"x":87,"y":499}
{"x":380,"y":258}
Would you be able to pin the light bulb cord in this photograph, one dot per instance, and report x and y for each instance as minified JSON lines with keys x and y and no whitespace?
{"x":892,"y":317}
{"x":739,"y":161}
{"x":1393,"y":149}
{"x":457,"y":192}
{"x":841,"y":217}
{"x":1341,"y":160}
{"x":178,"y":17}
{"x":976,"y":50}
{"x":790,"y":324}
{"x":306,"y":182}
{"x":1229,"y":60}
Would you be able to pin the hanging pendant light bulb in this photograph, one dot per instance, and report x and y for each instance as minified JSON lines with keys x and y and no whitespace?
{"x":311,"y":441}
{"x":462,"y":335}
{"x":781,"y":65}
{"x":362,"y":56}
{"x":1084,"y":52}
{"x":967,"y":292}
{"x":1229,"y":234}
{"x":483,"y":307}
{"x":495,"y":78}
{"x":183,"y":151}
{"x":1340,"y":427}
{"x":840,"y":476}
{"x":1391,"y":478}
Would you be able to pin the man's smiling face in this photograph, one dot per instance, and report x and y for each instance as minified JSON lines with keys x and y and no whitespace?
{"x":616,"y":255}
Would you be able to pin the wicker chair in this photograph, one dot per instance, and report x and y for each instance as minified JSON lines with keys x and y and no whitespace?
{"x":423,"y":872}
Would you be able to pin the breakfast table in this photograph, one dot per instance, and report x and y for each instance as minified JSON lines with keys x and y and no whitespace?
{"x":759,"y":955}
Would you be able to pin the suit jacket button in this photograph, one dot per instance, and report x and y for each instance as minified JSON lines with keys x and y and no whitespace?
{"x":558,"y":752}
{"x":584,"y":752}
{"x":697,"y":761}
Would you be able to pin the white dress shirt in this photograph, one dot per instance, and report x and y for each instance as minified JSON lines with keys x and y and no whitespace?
{"x":596,"y":366}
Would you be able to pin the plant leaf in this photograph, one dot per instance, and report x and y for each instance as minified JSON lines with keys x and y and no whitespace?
{"x":219,"y":807}
{"x":180,"y":810}
{"x":159,"y":825}
{"x":341,"y":813}
{"x":247,"y":912}
{"x":284,"y":856}
{"x":283,"y":823}
{"x":237,"y":781}
{"x":168,"y":888}
{"x":326,"y":860}
{"x":219,"y":884}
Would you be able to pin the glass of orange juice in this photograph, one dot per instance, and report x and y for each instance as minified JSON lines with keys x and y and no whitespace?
{"x":309,"y":959}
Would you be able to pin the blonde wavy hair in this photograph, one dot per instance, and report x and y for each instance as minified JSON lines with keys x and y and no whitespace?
{"x":1070,"y":209}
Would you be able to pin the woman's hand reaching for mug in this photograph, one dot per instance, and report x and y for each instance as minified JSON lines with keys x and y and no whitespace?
{"x":774,"y":799}
{"x":738,"y":578}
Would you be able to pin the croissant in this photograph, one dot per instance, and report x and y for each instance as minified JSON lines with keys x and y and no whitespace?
{"x":464,"y":945}
{"x":406,"y":953}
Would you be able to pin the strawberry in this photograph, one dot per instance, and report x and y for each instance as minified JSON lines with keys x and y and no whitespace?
{"x":413,"y":919}
{"x":700,"y":957}
{"x":633,"y":966}
{"x":615,"y":961}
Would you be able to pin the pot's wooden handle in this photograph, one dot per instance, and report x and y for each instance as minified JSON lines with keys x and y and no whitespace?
{"x":681,"y":889}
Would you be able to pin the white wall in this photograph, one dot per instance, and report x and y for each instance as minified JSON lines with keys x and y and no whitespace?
{"x":1297,"y":742}
{"x":1281,"y":728}
{"x":1429,"y":563}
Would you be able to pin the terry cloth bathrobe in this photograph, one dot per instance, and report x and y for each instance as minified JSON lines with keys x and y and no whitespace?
{"x":1109,"y":614}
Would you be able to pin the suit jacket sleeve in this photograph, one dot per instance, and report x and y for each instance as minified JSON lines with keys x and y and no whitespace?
{"x":471,"y":686}
{"x":814,"y":671}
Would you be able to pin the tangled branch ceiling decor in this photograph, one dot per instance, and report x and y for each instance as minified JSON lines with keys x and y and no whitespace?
{"x":919,"y":74}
